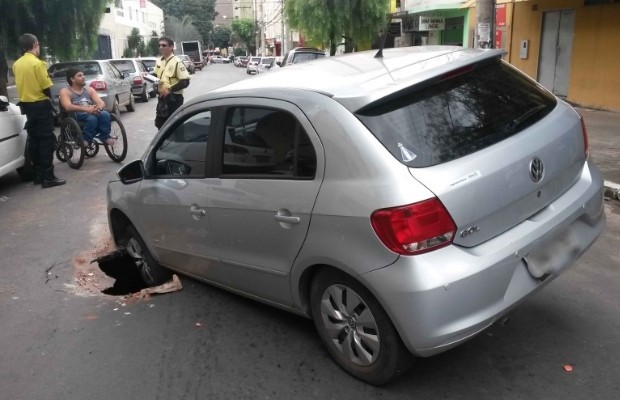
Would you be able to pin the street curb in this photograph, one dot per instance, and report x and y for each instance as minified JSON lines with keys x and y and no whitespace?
{"x":612,"y":190}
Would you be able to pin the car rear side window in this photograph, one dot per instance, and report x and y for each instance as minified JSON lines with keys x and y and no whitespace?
{"x":457,"y":114}
{"x":266,"y":143}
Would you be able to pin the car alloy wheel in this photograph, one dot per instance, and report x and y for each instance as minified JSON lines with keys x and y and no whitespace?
{"x":351,"y":325}
{"x":356,"y":330}
{"x":152,"y":273}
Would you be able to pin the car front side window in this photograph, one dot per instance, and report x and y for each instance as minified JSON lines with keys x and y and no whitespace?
{"x":183,"y":151}
{"x":262,"y":142}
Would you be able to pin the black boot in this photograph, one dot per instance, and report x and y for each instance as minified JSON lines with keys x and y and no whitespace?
{"x":50,"y":180}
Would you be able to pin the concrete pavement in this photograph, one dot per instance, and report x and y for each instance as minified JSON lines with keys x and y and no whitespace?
{"x":604,"y":141}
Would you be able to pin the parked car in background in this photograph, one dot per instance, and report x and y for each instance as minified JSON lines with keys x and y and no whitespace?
{"x":404,"y":203}
{"x":220,"y":60}
{"x":111,"y":85}
{"x":150,"y":63}
{"x":241,"y":61}
{"x":140,"y":86}
{"x":266,"y":64}
{"x":252,"y":65}
{"x":302,"y":54}
{"x":13,"y":139}
{"x":189,"y":64}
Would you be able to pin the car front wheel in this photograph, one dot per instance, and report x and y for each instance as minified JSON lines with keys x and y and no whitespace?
{"x":152,"y":273}
{"x":356,"y":330}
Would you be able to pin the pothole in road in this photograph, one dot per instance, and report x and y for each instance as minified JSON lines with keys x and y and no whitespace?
{"x":119,"y":276}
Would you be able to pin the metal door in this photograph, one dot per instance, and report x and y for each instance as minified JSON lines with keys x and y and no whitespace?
{"x":555,"y":50}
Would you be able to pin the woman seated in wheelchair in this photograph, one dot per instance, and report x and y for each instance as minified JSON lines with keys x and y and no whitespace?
{"x":84,"y":104}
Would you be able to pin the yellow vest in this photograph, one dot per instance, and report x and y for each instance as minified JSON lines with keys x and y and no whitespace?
{"x":170,"y":72}
{"x":31,"y":78}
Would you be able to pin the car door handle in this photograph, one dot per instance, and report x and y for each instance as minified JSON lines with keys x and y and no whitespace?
{"x":287,"y":219}
{"x":195,"y":210}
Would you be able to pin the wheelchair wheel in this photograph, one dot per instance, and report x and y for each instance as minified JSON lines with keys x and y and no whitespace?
{"x":118,"y":151}
{"x":71,"y":142}
{"x":91,"y":149}
{"x":60,"y":150}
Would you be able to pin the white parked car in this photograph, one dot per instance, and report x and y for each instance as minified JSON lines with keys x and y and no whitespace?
{"x":13,"y":140}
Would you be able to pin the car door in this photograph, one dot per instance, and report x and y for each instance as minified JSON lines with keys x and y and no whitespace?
{"x":11,"y":137}
{"x":122,"y":87}
{"x":267,"y":174}
{"x":172,"y":204}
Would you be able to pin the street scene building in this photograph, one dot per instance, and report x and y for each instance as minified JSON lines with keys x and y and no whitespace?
{"x":566,"y":45}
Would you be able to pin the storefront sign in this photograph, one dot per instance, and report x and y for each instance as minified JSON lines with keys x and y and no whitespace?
{"x":500,"y":15}
{"x":432,"y":23}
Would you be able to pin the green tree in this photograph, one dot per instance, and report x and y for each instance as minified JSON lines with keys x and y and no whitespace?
{"x":67,"y":29}
{"x":326,"y":22}
{"x":221,"y":36}
{"x":244,"y":31}
{"x":152,"y":48}
{"x":202,"y":13}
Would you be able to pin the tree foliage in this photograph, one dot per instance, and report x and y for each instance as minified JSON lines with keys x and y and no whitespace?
{"x":244,"y":32}
{"x":181,"y":29}
{"x":66,"y":29}
{"x":326,"y":22}
{"x":135,"y":45}
{"x":202,"y":13}
{"x":221,"y":36}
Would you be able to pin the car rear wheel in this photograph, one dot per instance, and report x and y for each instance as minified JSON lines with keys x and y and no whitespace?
{"x":152,"y":273}
{"x":130,"y":107}
{"x":356,"y":330}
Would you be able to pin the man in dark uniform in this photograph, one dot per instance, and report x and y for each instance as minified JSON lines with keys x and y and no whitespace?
{"x":33,"y":88}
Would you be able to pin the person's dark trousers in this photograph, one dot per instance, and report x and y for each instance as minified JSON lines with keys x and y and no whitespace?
{"x":41,"y":141}
{"x":173,"y":101}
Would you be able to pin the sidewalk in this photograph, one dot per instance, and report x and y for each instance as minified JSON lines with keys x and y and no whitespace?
{"x":604,"y":140}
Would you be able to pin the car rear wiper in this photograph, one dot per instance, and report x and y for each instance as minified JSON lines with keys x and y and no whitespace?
{"x":512,"y":125}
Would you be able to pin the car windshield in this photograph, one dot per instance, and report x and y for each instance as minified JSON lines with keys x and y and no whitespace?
{"x":458,"y":114}
{"x":124,"y":65}
{"x":88,"y":68}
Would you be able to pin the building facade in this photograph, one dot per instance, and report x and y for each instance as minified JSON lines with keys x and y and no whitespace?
{"x":117,"y":25}
{"x":568,"y":46}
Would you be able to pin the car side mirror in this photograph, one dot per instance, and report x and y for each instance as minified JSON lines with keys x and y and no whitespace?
{"x":151,"y":70}
{"x":4,"y":103}
{"x":132,"y":172}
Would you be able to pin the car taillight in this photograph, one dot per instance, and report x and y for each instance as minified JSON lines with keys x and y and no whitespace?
{"x":415,"y":228}
{"x":98,"y":85}
{"x":137,"y":80}
{"x":584,"y":133}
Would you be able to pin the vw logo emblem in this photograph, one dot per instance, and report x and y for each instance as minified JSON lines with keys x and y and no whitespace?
{"x":537,"y":170}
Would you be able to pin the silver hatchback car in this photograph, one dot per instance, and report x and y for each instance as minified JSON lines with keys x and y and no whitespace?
{"x":404,"y":203}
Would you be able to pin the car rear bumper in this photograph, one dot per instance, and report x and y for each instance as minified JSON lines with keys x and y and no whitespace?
{"x":442,"y":298}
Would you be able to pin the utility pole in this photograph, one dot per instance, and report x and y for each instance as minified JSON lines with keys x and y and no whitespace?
{"x":485,"y":21}
{"x":257,"y":32}
{"x":282,"y":36}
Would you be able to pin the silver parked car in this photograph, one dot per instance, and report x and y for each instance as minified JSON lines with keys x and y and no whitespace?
{"x":111,"y":84}
{"x":404,"y":204}
{"x":137,"y":71}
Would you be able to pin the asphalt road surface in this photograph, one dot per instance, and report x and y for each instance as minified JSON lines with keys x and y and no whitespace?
{"x":61,"y":338}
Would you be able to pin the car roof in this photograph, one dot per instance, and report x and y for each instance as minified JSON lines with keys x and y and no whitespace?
{"x":358,"y":79}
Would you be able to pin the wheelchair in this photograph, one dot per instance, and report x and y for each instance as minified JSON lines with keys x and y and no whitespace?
{"x":73,"y":149}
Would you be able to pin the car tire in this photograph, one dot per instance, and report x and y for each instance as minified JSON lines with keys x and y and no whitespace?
{"x":144,"y":96}
{"x":116,"y":108}
{"x":151,"y":272}
{"x":153,"y":94}
{"x":131,"y":105}
{"x":356,"y":330}
{"x":26,"y":171}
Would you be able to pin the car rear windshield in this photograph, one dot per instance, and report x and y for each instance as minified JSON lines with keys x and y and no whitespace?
{"x":457,"y":114}
{"x":124,"y":65}
{"x":88,"y":68}
{"x":303,"y":57}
